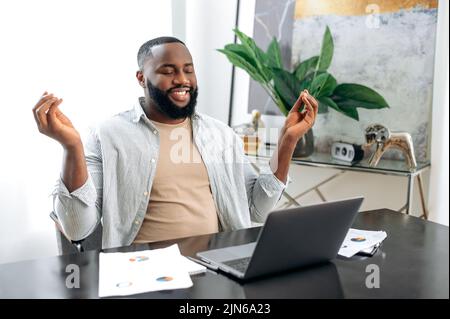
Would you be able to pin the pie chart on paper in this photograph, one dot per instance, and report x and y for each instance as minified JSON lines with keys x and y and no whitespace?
{"x":138,"y":258}
{"x":164,"y":279}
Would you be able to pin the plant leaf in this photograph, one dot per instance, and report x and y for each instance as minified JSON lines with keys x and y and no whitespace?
{"x":240,"y":62}
{"x":325,"y":102}
{"x":287,"y":85}
{"x":305,"y":84}
{"x":328,"y":87}
{"x":357,"y":95}
{"x":322,"y":82}
{"x":241,"y":51}
{"x":328,"y":101}
{"x":247,"y":42}
{"x":326,"y":51}
{"x":305,"y":67}
{"x":284,"y":108}
{"x":323,"y":108}
{"x":255,"y":53}
{"x":274,"y":54}
{"x":262,"y":57}
{"x":354,"y":103}
{"x":351,"y":112}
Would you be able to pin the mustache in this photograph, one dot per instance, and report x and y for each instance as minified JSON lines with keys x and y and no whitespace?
{"x":191,"y":89}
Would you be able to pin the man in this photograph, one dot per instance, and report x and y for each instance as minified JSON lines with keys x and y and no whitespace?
{"x":130,"y":174}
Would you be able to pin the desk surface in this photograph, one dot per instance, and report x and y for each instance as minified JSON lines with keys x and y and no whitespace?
{"x":413,"y":263}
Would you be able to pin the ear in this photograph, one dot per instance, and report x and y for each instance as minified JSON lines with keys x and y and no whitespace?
{"x":141,"y":78}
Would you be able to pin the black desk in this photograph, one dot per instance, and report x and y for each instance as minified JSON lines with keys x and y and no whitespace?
{"x":413,"y":262}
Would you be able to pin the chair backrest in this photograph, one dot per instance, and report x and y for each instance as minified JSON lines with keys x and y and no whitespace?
{"x":66,"y":246}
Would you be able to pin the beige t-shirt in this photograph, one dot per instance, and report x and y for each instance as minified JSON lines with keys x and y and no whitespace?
{"x":181,"y":203}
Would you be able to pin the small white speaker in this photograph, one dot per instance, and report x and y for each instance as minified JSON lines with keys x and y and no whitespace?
{"x":347,"y":152}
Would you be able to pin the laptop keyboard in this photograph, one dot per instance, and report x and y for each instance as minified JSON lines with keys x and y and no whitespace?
{"x":240,"y":264}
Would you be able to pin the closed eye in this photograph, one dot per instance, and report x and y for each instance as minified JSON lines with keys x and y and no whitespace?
{"x":167,"y":70}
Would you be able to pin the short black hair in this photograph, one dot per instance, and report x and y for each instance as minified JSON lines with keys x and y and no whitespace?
{"x":146,"y":49}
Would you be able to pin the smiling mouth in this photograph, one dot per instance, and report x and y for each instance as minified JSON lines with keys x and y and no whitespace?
{"x":180,"y":95}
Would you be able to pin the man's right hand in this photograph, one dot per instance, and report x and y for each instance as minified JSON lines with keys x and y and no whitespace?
{"x":53,"y":123}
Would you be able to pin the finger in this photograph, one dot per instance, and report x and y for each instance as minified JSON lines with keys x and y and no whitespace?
{"x":305,"y":93}
{"x":310,"y":114}
{"x":307,"y":111}
{"x":41,"y":112}
{"x":44,"y":98}
{"x":306,"y":101}
{"x":314,"y":103}
{"x":51,"y":114}
{"x":299,"y":103}
{"x":307,"y":104}
{"x":41,"y":101}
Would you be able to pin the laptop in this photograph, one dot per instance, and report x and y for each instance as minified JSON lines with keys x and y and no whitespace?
{"x":290,"y":238}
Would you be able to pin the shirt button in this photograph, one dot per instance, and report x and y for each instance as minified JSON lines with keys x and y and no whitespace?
{"x":155,"y":132}
{"x":145,"y":193}
{"x":136,"y":222}
{"x":153,"y":160}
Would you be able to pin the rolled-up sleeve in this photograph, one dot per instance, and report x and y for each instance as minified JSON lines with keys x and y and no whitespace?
{"x":263,"y":191}
{"x":79,"y":212}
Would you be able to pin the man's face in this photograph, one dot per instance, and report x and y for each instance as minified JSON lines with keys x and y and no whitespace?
{"x":170,"y":79}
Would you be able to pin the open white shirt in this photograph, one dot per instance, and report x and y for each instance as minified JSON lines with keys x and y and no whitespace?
{"x":122,"y":154}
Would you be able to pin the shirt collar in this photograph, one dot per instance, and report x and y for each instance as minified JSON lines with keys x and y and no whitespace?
{"x":138,"y":111}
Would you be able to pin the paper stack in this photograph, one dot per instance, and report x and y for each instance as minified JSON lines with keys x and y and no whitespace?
{"x":357,"y":241}
{"x":122,"y":274}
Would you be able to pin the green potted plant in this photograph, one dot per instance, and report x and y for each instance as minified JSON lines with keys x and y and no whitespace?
{"x":284,"y":86}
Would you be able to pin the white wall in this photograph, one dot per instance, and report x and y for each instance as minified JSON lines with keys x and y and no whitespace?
{"x":209,"y":27}
{"x":84,"y":51}
{"x":179,"y":19}
{"x":242,"y":80}
{"x":438,"y":194}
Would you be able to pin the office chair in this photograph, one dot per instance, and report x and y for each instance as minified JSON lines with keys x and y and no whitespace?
{"x":67,"y":246}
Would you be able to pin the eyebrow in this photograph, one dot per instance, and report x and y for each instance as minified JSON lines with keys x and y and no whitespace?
{"x":168,"y":65}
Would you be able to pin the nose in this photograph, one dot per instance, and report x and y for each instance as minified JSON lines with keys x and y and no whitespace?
{"x":181,"y":79}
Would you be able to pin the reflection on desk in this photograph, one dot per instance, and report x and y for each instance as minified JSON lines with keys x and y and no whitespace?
{"x":321,"y":281}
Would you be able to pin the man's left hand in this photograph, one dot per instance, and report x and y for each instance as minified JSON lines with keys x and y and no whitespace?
{"x":298,"y":123}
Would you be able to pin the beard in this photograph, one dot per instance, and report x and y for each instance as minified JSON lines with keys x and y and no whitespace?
{"x":165,"y":105}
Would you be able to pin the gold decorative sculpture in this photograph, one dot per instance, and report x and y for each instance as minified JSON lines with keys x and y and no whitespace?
{"x":385,"y":139}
